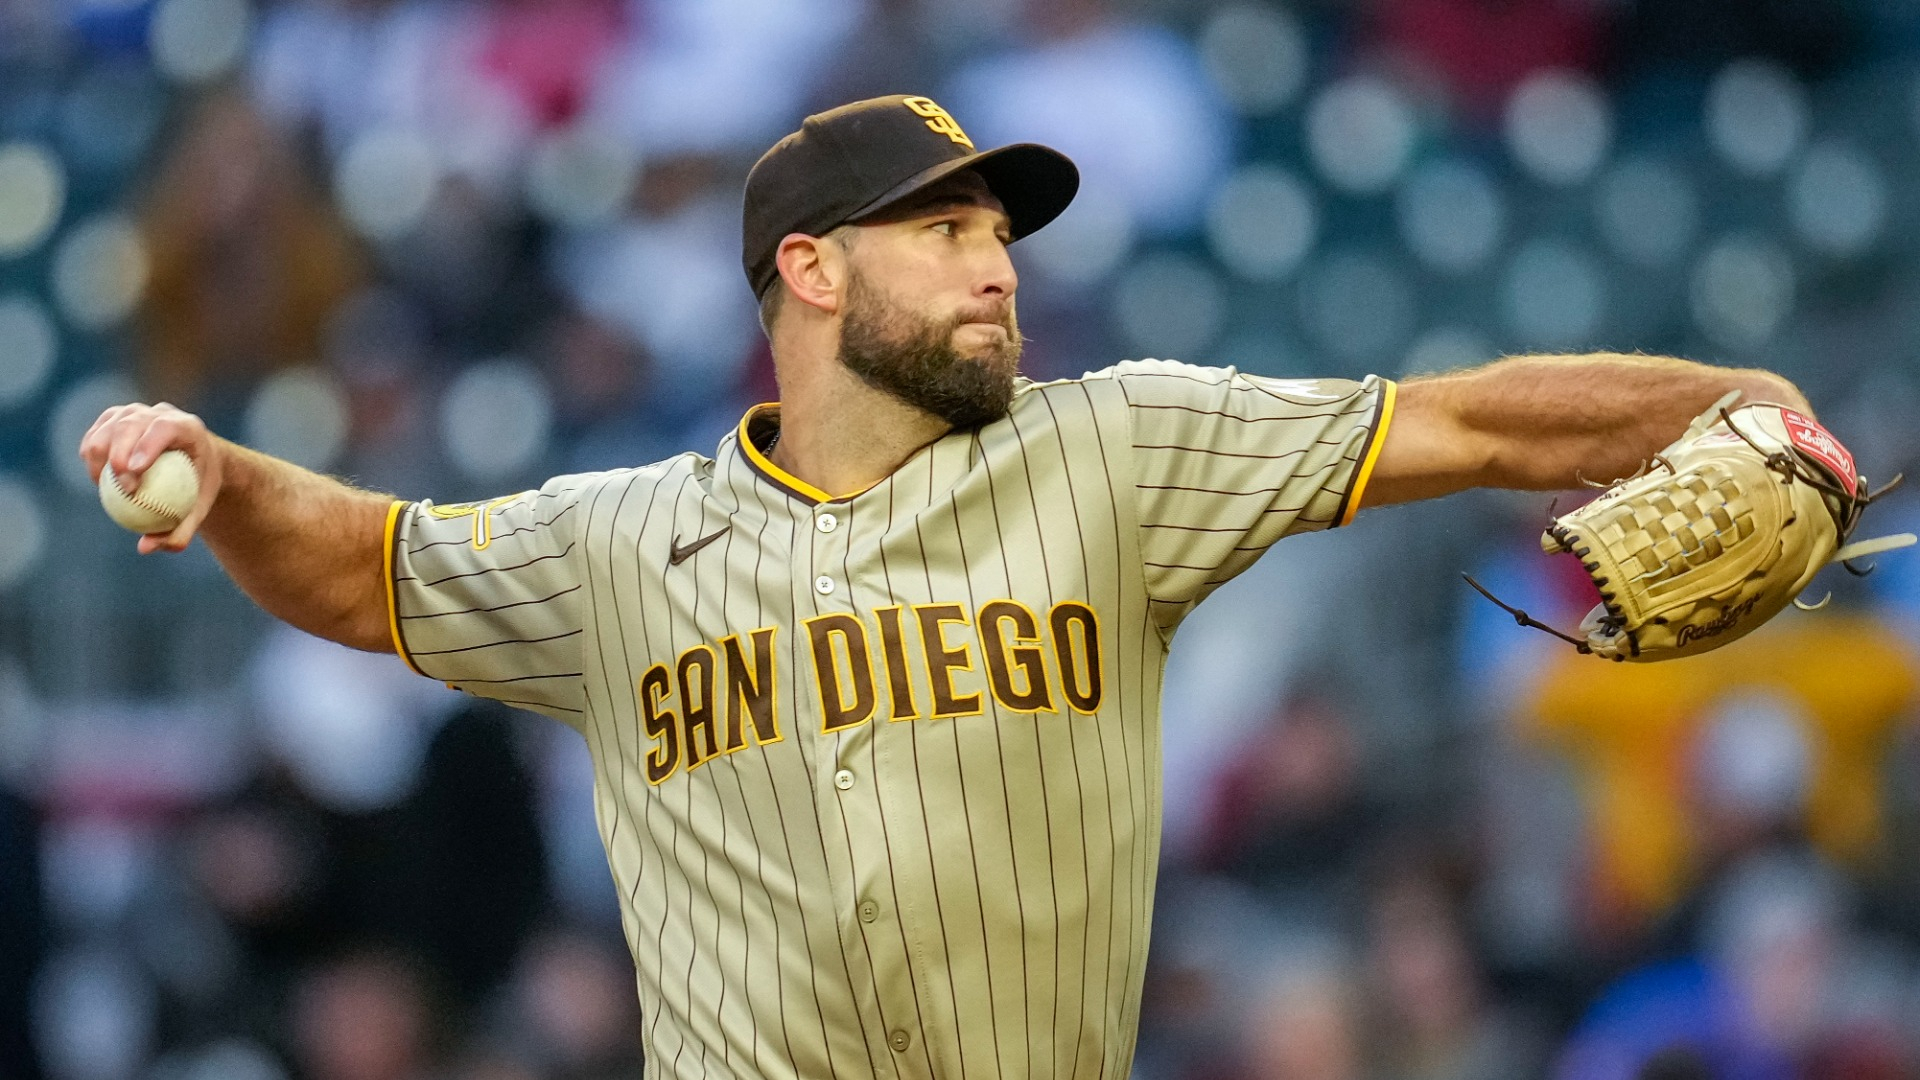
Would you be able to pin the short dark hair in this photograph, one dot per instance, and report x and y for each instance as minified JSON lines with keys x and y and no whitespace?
{"x":770,"y":304}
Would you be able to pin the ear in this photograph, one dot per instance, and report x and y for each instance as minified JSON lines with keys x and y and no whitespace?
{"x":813,"y":269}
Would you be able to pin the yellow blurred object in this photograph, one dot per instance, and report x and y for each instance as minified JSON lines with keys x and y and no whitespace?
{"x":249,"y":260}
{"x":1631,"y":730}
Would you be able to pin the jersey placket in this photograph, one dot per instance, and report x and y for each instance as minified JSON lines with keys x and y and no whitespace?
{"x":847,"y":797}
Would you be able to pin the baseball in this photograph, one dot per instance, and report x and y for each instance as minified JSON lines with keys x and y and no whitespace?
{"x":167,"y":492}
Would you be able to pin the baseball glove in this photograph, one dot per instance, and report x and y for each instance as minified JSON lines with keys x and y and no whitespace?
{"x":1725,"y":528}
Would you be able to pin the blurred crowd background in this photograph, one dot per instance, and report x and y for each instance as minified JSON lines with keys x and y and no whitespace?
{"x":447,"y":248}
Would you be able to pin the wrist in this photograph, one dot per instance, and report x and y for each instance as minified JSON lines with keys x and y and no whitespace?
{"x":1758,"y":386}
{"x":228,"y":467}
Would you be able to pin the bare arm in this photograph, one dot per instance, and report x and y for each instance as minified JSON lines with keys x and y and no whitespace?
{"x":307,"y":548}
{"x":1548,"y":422}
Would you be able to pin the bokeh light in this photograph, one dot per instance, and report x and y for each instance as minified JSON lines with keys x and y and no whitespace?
{"x":33,"y":189}
{"x":1553,"y":296}
{"x":1169,"y":306}
{"x":1559,"y":126}
{"x":223,"y":1059}
{"x":73,"y":415}
{"x":1084,"y":245}
{"x":1446,"y":348}
{"x":1742,"y":291}
{"x":1262,"y":222}
{"x":1357,"y":305}
{"x":676,"y":290}
{"x":1256,"y":55}
{"x":496,"y":418}
{"x":100,"y":271}
{"x":110,"y":116}
{"x":1837,"y":199}
{"x":98,"y":1009}
{"x":300,"y":415}
{"x":196,"y":41}
{"x":580,"y":176}
{"x":385,"y":181}
{"x":1451,"y":215}
{"x":1360,"y":134}
{"x":24,"y":540}
{"x":1648,"y":212}
{"x":1757,"y":115}
{"x":29,"y":344}
{"x":451,"y":249}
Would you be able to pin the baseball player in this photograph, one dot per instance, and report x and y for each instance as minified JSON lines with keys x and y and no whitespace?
{"x":873,"y":691}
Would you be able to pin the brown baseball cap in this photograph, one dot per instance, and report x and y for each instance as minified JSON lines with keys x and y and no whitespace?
{"x":858,"y":159}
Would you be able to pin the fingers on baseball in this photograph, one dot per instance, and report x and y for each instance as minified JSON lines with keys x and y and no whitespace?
{"x":111,"y":442}
{"x":96,"y":447}
{"x":142,"y":433}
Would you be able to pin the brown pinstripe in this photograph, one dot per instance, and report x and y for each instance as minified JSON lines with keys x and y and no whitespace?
{"x":914,"y":897}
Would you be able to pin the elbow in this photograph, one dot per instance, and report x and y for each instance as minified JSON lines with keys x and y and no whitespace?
{"x":362,"y":623}
{"x":373,"y":637}
{"x":367,"y":632}
{"x":373,"y":625}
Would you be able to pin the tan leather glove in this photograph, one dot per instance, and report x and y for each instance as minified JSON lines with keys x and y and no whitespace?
{"x":1725,"y":529}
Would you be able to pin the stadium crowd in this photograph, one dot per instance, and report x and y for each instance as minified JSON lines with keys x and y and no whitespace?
{"x":447,"y":248}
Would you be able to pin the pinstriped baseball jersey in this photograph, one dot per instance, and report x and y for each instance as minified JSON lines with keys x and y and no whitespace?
{"x":878,"y":774}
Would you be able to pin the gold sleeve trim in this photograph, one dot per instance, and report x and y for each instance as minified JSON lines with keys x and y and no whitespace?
{"x":1374,"y":443}
{"x":393,"y":607}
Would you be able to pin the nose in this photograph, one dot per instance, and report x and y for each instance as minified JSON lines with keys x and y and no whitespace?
{"x":997,"y":279}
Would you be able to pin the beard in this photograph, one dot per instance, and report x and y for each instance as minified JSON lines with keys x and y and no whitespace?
{"x":913,"y":357}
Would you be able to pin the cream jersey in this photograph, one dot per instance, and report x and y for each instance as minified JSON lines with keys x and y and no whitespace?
{"x":878,"y":774}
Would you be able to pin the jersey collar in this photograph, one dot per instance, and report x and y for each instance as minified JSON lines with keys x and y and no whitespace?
{"x":759,"y":428}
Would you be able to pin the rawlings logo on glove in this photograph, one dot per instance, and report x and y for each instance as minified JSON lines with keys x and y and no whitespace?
{"x":1724,"y":530}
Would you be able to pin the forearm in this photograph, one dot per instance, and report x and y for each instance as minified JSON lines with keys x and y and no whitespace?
{"x":305,"y":547}
{"x":1550,"y":422}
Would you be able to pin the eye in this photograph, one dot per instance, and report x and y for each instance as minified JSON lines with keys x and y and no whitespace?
{"x":944,"y":228}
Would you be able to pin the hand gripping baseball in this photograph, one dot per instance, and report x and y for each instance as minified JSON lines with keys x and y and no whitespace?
{"x":1725,"y":529}
{"x":128,"y":439}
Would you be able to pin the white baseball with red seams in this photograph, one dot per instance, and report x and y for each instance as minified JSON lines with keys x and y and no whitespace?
{"x":167,"y":492}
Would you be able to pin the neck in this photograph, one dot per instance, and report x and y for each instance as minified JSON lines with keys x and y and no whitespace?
{"x":841,"y":435}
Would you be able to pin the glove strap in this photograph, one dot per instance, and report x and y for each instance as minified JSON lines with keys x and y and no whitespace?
{"x":1874,"y":546}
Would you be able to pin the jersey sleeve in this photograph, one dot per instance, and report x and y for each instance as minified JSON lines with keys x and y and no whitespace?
{"x":1227,"y":463}
{"x":486,"y":596}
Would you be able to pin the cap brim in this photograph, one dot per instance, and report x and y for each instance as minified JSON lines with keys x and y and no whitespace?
{"x":1033,"y":182}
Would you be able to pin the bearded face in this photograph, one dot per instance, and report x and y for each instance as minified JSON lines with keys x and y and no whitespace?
{"x":913,"y":356}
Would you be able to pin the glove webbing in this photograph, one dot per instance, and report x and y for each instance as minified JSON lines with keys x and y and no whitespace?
{"x":1681,"y":530}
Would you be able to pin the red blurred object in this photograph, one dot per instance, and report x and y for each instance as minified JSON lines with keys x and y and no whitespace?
{"x":1482,"y":49}
{"x":1860,"y":1053}
{"x":546,"y":52}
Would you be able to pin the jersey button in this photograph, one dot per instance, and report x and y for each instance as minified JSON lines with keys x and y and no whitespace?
{"x":869,"y":911}
{"x":826,"y":523}
{"x":823,"y":585}
{"x":900,"y":1040}
{"x":843,"y":780}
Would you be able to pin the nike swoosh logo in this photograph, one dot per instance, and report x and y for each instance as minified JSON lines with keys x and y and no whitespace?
{"x":679,"y":552}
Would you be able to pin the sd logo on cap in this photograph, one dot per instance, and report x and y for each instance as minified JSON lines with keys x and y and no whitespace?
{"x":858,"y":159}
